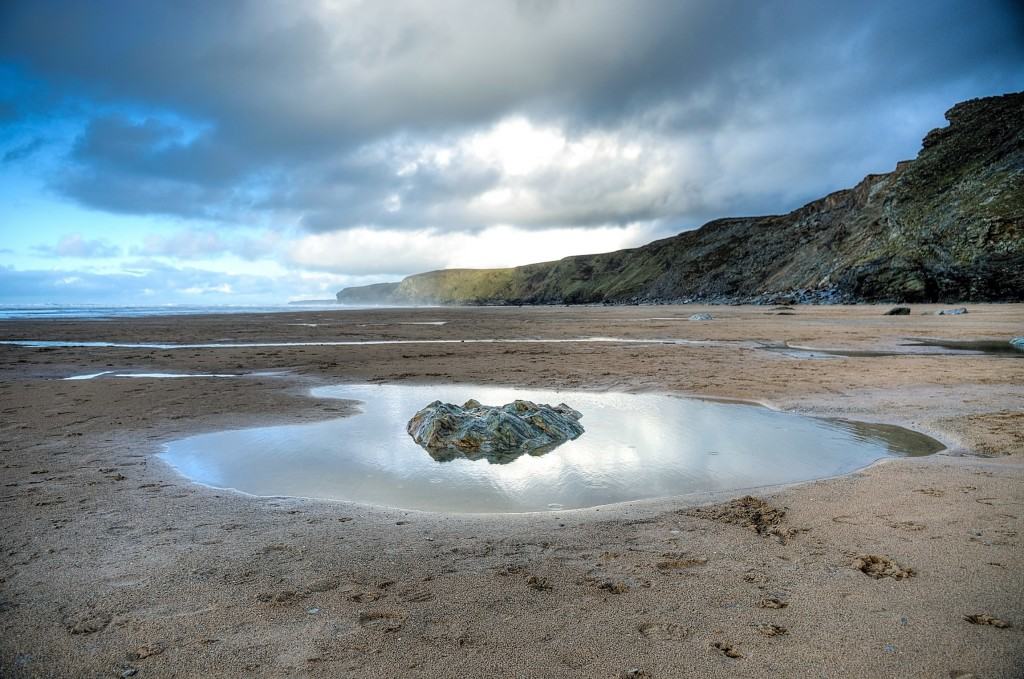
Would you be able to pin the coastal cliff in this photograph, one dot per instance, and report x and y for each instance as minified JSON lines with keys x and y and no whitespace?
{"x":946,"y":226}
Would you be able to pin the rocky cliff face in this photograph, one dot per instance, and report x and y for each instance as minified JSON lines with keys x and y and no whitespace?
{"x":947,"y":226}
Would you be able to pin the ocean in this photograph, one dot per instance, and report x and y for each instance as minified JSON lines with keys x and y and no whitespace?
{"x":60,"y":311}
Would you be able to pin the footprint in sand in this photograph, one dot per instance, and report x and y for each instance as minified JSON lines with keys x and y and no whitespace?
{"x":416,"y":595}
{"x":728,"y":650}
{"x":986,"y":619}
{"x":537,"y":583}
{"x":933,"y":492}
{"x":381,"y":621}
{"x":448,"y":631}
{"x":878,"y":567}
{"x":663,"y":631}
{"x":89,"y":623}
{"x":771,"y":603}
{"x":510,"y":569}
{"x":906,"y":525}
{"x":677,"y":563}
{"x":990,"y":501}
{"x":770,"y":630}
{"x":614,"y":586}
{"x":323,"y":585}
{"x":282,"y":597}
{"x":147,"y":651}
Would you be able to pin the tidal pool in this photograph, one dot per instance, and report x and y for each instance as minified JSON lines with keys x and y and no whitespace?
{"x":635,"y":446}
{"x":991,"y":347}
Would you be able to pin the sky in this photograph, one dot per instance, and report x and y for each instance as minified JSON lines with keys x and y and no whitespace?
{"x":236,"y":152}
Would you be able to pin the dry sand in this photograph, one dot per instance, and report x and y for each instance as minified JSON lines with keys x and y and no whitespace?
{"x":114,"y":564}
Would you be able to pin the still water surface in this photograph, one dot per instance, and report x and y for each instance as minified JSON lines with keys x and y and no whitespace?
{"x":635,"y":446}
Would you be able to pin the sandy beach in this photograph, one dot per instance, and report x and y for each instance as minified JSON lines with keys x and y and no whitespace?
{"x":115,"y":565}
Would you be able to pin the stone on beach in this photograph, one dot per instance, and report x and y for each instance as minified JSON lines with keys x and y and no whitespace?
{"x":1018,"y":342}
{"x":951,"y":312}
{"x":498,"y":433}
{"x":898,"y":311}
{"x":701,"y":317}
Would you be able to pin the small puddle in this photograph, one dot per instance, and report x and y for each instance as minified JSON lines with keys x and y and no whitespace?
{"x":367,"y":325}
{"x":149,"y":375}
{"x":90,"y":376}
{"x":796,"y":351}
{"x":160,"y":376}
{"x":942,"y":347}
{"x":990,"y":347}
{"x":635,"y":446}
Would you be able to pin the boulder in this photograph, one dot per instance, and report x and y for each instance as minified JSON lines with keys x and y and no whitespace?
{"x":898,"y":311}
{"x":701,"y":317}
{"x":498,"y":433}
{"x":951,"y":312}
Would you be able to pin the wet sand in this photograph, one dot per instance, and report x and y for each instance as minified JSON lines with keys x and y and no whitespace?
{"x":111,"y":563}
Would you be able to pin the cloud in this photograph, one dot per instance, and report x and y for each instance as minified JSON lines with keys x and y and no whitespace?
{"x":402,"y":136}
{"x":23,"y":150}
{"x":398,"y":252}
{"x":513,"y":172}
{"x":205,"y":244}
{"x":75,"y":245}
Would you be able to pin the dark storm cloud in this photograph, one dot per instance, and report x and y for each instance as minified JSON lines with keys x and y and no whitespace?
{"x":151,"y":166}
{"x":23,"y":150}
{"x":333,"y":116}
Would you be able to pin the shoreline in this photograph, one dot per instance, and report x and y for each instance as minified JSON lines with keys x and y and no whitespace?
{"x":97,"y":568}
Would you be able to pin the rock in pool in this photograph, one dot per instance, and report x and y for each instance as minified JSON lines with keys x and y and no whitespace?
{"x":498,"y":433}
{"x":701,"y":317}
{"x":898,"y":311}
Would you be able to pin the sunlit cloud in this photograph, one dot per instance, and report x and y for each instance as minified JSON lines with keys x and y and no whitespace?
{"x":204,"y":244}
{"x":74,"y":245}
{"x":369,"y":251}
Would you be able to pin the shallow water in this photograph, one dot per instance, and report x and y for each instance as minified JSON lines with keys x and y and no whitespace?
{"x":931,"y":347}
{"x":794,"y":351}
{"x":635,"y":446}
{"x":990,"y":347}
{"x":96,"y":312}
{"x":161,"y":376}
{"x":92,"y":376}
{"x":227,"y":344}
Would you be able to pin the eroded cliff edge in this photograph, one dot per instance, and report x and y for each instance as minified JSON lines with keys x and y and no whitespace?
{"x":946,"y":226}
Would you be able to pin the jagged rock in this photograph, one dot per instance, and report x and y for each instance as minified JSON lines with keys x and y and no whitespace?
{"x":898,"y":311}
{"x":701,"y":317}
{"x":498,"y":433}
{"x":951,"y":312}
